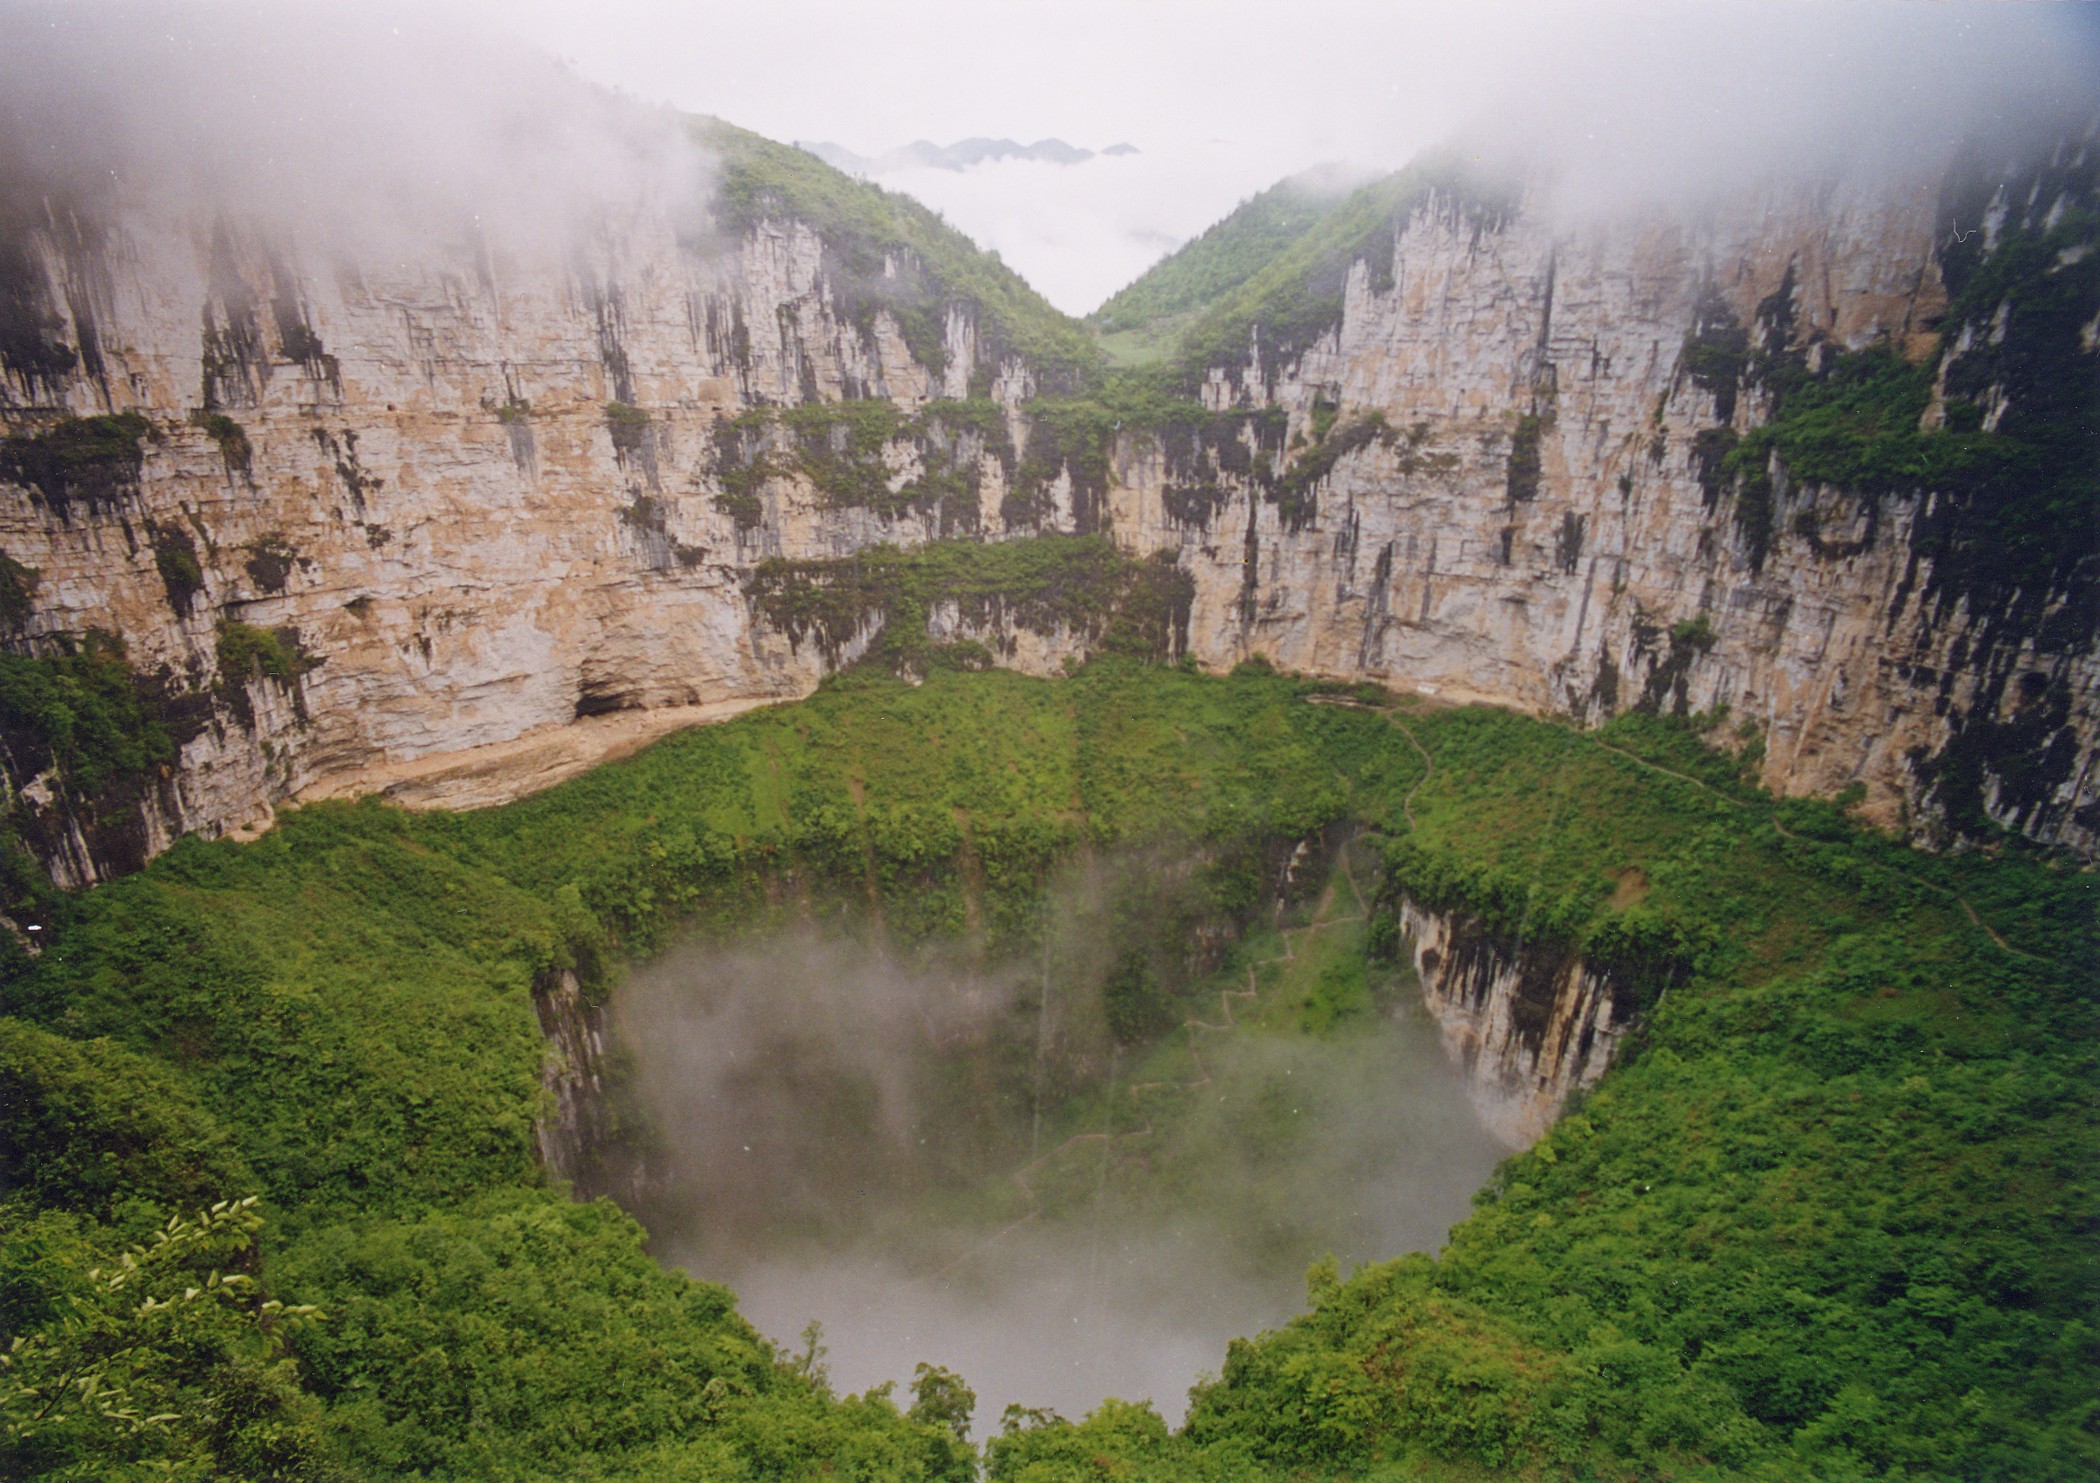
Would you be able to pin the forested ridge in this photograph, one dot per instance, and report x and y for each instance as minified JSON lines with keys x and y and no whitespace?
{"x":1831,"y":1215}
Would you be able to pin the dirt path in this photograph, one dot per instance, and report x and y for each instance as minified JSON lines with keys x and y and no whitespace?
{"x":1323,"y":918}
{"x":1944,"y":892}
{"x":499,"y":772}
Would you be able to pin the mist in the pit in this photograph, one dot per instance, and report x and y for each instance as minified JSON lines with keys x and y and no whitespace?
{"x":943,"y":1164}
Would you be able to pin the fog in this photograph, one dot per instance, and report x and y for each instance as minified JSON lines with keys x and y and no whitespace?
{"x":378,"y":127}
{"x":373,"y":129}
{"x":1624,"y":105}
{"x":958,"y":1167}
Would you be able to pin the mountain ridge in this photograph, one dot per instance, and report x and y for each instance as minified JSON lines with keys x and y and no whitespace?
{"x":964,"y":154}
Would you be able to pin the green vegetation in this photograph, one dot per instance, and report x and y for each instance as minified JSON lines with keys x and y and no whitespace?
{"x":1523,"y":479}
{"x":844,"y":450}
{"x":270,"y":562}
{"x":234,"y":448}
{"x":341,"y":1015}
{"x":1833,"y":1213}
{"x":886,"y":252}
{"x":1083,"y":584}
{"x":1138,"y":323}
{"x":83,"y":712}
{"x":1333,"y":442}
{"x":17,"y":591}
{"x":1296,"y":297}
{"x":246,"y":652}
{"x":1992,"y":448}
{"x":95,"y":460}
{"x":104,"y":734}
{"x":1830,"y":1216}
{"x":1277,"y":268}
{"x":175,"y":558}
{"x":1857,"y":420}
{"x":159,"y":1360}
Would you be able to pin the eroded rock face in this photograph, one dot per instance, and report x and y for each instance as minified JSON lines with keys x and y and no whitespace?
{"x":476,"y":497}
{"x":480,"y":498}
{"x":1528,"y":1026}
{"x":572,"y":1120}
{"x":1538,"y":527}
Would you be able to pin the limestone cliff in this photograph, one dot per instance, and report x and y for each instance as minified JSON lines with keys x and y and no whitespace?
{"x":369,"y":514}
{"x":1529,"y":1026}
{"x":1539,"y":517}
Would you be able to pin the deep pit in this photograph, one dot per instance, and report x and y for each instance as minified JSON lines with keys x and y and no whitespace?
{"x":942,"y":1160}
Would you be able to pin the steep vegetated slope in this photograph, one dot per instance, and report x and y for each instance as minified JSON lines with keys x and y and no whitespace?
{"x":1829,"y":1216}
{"x":1140,"y":322}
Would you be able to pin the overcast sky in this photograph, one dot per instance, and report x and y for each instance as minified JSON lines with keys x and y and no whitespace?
{"x":1224,"y":97}
{"x":394,"y":110}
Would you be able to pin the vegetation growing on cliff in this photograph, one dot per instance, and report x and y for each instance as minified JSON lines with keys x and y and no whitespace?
{"x":246,"y":652}
{"x":1993,"y":443}
{"x":885,"y":253}
{"x":1295,"y":297}
{"x":1082,"y":585}
{"x":17,"y":591}
{"x":2012,"y":451}
{"x":93,"y":460}
{"x":845,"y":449}
{"x":1829,"y":1215}
{"x":1139,"y":321}
{"x":235,"y":451}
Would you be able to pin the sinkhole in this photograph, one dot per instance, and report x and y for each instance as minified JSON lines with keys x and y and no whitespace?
{"x":1071,"y":1170}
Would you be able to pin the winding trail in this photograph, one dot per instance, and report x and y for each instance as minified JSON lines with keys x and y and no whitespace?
{"x":1945,"y":892}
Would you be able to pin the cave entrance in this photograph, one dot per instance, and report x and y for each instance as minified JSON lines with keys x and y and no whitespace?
{"x":1068,"y":1172}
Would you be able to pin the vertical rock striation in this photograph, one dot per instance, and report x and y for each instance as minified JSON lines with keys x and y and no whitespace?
{"x":1528,"y":1025}
{"x":1538,"y":515}
{"x":347,"y":515}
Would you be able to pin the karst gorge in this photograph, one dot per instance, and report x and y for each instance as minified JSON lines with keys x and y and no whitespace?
{"x":1462,"y":824}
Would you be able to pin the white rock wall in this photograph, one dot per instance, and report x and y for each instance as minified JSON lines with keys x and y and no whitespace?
{"x":466,"y":571}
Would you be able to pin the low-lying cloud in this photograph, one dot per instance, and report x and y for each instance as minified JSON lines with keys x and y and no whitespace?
{"x":372,"y":128}
{"x":878,"y":1145}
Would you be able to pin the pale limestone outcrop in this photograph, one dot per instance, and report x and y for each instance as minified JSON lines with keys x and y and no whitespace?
{"x":436,"y":498}
{"x":1528,"y":1028}
{"x":447,"y":501}
{"x":1419,"y":563}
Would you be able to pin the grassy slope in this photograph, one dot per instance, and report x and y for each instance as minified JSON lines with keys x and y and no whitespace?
{"x":1139,"y":323}
{"x":1832,"y":1216}
{"x":345,"y":1011}
{"x":1268,"y":273}
{"x":862,"y":223}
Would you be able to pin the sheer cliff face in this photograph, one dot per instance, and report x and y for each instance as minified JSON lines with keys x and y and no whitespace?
{"x":480,"y":497}
{"x":1530,"y":1028}
{"x":1536,"y":526}
{"x":436,"y":479}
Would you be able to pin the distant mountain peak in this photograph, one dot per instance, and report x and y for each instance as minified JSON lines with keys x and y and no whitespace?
{"x":924,"y":154}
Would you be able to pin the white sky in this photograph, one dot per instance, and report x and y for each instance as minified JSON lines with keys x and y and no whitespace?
{"x":1224,"y":97}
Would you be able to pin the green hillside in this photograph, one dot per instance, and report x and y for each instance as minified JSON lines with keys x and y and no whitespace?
{"x":1139,"y":322}
{"x":862,"y":225}
{"x":1832,"y":1214}
{"x":1275,"y":270}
